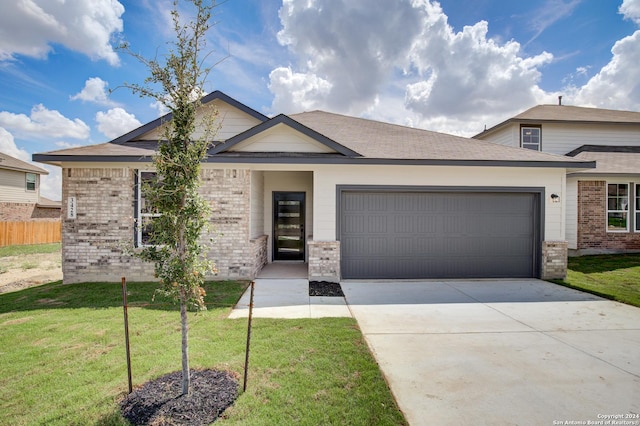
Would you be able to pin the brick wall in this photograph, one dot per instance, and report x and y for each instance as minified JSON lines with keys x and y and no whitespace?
{"x":324,"y":261}
{"x":592,"y":223}
{"x":94,"y":245}
{"x":22,"y":212}
{"x":554,"y":259}
{"x":97,"y":244}
{"x":228,"y":191}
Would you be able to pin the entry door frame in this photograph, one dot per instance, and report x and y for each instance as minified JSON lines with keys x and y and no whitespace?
{"x":298,"y":254}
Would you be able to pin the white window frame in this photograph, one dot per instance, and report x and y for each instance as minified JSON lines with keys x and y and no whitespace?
{"x":623,"y":208}
{"x":140,"y":214}
{"x":530,"y":145}
{"x":34,"y":181}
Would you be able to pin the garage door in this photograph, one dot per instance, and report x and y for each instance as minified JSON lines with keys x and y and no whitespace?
{"x":438,"y":234}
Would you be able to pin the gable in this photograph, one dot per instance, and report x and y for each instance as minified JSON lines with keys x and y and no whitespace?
{"x":281,"y":138}
{"x":231,"y":119}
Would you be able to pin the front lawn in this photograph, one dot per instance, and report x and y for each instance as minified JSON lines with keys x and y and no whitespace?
{"x":62,"y":358}
{"x":615,"y":277}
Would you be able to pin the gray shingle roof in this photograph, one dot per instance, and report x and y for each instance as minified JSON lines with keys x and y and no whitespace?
{"x":109,"y":149}
{"x":374,"y":139}
{"x":611,"y":163}
{"x":569,"y":113}
{"x":12,"y":163}
{"x":364,"y":141}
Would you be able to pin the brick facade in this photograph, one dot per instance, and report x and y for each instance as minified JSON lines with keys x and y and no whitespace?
{"x":554,"y":260}
{"x":98,"y":242}
{"x":592,"y":223}
{"x":23,"y":212}
{"x":324,"y":261}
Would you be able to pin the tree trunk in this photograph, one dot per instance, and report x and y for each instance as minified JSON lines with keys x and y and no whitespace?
{"x":186,"y":377}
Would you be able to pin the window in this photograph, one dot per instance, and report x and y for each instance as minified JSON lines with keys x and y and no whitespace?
{"x":530,"y":138}
{"x":144,"y":210}
{"x":617,"y":207}
{"x":31,"y":181}
{"x":637,"y":206}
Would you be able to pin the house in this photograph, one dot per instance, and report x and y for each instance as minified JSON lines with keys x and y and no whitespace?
{"x":602,"y":205}
{"x":20,"y":198}
{"x":354,"y":198}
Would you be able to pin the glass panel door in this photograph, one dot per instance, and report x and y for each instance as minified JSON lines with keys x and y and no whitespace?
{"x":288,"y":226}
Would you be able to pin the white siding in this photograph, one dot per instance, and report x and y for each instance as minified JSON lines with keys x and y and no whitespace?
{"x":257,"y":204}
{"x":562,"y":138}
{"x":508,"y":136}
{"x":571,"y":196}
{"x":13,"y":187}
{"x":233,"y":122}
{"x":281,"y":138}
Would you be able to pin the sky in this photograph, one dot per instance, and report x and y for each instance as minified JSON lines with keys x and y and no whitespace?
{"x":451,"y":66}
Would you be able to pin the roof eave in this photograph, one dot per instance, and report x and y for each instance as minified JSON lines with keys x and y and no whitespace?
{"x":319,"y":159}
{"x":57,"y":160}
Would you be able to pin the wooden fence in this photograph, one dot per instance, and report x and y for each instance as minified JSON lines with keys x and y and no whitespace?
{"x":22,"y":233}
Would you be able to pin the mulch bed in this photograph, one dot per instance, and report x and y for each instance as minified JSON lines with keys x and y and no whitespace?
{"x":160,"y":401}
{"x":325,"y":288}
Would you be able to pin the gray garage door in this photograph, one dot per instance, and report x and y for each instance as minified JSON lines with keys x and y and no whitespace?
{"x":438,"y":235}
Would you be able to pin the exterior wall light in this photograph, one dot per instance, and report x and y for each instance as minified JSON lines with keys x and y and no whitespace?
{"x":555,"y":198}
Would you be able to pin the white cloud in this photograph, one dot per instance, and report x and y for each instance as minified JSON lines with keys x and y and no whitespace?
{"x":116,"y":122}
{"x":30,"y":27}
{"x":161,"y":107}
{"x":298,"y":91}
{"x":8,"y":146}
{"x":94,"y":90}
{"x":43,"y":123}
{"x":617,"y":85}
{"x":407,"y":65}
{"x":346,"y":51}
{"x":631,"y":10}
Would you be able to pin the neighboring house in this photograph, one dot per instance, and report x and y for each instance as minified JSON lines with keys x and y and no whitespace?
{"x":603,"y":204}
{"x":20,"y":198}
{"x":356,"y":199}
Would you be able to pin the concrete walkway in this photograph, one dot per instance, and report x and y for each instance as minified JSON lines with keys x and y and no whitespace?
{"x":520,"y":352}
{"x":288,"y":298}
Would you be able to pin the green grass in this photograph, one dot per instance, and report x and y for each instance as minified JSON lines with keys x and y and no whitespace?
{"x":29,"y":249}
{"x":62,"y":358}
{"x":615,"y":277}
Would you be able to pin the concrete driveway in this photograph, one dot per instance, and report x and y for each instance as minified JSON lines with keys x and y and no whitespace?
{"x":502,"y":352}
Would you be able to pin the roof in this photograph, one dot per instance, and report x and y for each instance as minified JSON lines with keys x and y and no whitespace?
{"x":375,"y":139}
{"x":351,"y":140}
{"x":48,"y":204}
{"x":568,"y":114}
{"x":11,"y":163}
{"x":109,"y":151}
{"x":610,"y":160}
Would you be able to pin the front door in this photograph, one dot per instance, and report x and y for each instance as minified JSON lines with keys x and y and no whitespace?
{"x":288,"y":226}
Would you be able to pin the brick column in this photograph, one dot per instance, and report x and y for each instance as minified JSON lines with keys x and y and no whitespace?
{"x":324,"y":261}
{"x":554,"y":260}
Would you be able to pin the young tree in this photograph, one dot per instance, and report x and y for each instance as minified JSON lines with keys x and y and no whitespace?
{"x":175,"y":235}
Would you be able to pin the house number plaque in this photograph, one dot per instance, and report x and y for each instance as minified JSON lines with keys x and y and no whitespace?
{"x":71,"y":208}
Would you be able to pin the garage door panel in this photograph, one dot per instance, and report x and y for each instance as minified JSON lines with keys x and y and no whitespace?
{"x":437,"y":235}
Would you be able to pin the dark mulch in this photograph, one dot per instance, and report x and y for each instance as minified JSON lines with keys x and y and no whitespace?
{"x":325,"y":288}
{"x":160,"y":401}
